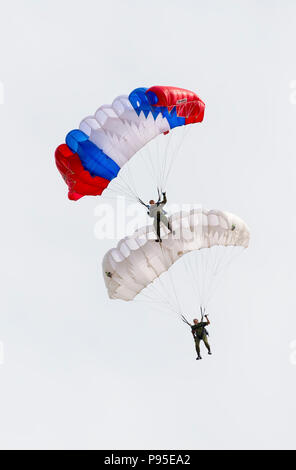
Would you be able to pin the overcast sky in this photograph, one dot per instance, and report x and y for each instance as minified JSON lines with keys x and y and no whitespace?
{"x":78,"y":370}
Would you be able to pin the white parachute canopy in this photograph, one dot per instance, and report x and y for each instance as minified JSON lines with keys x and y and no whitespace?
{"x":203,"y":242}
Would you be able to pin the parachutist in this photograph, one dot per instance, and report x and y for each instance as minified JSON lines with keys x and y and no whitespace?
{"x":156,"y":211}
{"x":200,"y":333}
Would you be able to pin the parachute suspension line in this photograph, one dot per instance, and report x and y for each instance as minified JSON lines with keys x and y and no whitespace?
{"x":156,"y":155}
{"x":174,"y":305}
{"x":175,"y":153}
{"x":225,"y":258}
{"x":122,"y":189}
{"x":208,"y":276}
{"x":196,"y":263}
{"x":199,"y":266}
{"x":160,"y":293}
{"x":148,"y":163}
{"x":155,"y":300}
{"x":164,"y":161}
{"x":158,"y":159}
{"x":132,"y":181}
{"x":119,"y":189}
{"x":149,"y":159}
{"x":146,"y":155}
{"x":110,"y":193}
{"x":162,"y":144}
{"x":212,"y":256}
{"x":179,"y":308}
{"x":152,"y":150}
{"x":192,"y":275}
{"x":129,"y":182}
{"x":171,"y":153}
{"x":220,"y":264}
{"x":120,"y":185}
{"x":233,"y":252}
{"x":213,"y":260}
{"x":184,"y":319}
{"x":125,"y":181}
{"x":162,"y":290}
{"x":203,"y":277}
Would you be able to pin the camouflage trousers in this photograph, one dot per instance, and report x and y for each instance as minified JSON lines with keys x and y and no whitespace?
{"x":206,"y":342}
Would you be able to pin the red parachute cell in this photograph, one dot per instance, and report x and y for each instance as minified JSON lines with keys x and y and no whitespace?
{"x":187,"y":103}
{"x":79,"y":181}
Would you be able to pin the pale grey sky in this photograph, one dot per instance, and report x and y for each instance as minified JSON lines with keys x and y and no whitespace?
{"x":79,"y":370}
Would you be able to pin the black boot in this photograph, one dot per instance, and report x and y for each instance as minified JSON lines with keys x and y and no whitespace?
{"x":198,"y":358}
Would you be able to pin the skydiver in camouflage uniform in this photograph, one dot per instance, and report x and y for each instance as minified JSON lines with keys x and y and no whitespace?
{"x":200,"y":333}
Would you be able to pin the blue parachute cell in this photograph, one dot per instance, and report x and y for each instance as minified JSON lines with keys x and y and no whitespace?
{"x":92,"y":158}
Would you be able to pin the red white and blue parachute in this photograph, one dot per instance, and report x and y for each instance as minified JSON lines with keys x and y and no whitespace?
{"x":94,"y":154}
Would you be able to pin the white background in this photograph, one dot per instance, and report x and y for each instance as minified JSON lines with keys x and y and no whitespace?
{"x":80,"y":370}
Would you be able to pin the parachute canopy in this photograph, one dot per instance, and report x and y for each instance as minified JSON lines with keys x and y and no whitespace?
{"x":94,"y":154}
{"x":138,"y":261}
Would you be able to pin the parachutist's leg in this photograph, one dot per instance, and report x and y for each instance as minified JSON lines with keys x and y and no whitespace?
{"x":155,"y":228}
{"x":197,"y":347}
{"x":158,"y":228}
{"x":168,"y":225}
{"x":205,"y":340}
{"x":166,"y":222}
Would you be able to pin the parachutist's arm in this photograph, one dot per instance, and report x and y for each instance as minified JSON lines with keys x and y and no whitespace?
{"x":208,"y":321}
{"x":159,"y":196}
{"x":164,"y":201}
{"x":143,"y":203}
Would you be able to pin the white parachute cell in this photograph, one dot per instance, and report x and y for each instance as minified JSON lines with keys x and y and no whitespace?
{"x":119,"y":131}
